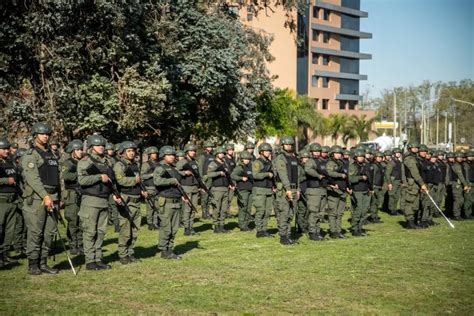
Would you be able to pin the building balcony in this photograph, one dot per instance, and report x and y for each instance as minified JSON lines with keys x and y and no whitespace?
{"x":338,"y":8}
{"x":349,"y":97}
{"x":341,"y":31}
{"x":339,"y":75}
{"x":340,"y":53}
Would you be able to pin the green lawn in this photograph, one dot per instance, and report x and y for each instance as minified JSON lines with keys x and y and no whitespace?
{"x":393,"y":271}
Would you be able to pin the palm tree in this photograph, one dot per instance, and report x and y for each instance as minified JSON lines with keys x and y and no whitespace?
{"x":304,"y":118}
{"x":361,"y":127}
{"x":338,"y":124}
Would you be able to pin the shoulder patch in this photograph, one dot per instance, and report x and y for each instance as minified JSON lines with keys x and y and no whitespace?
{"x":31,"y":165}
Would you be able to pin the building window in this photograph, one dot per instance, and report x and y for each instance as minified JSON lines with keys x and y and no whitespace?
{"x":314,"y":81}
{"x":316,"y":102}
{"x":249,"y":13}
{"x":326,"y":15}
{"x":316,"y":11}
{"x":325,"y":82}
{"x":352,"y":105}
{"x":315,"y":36}
{"x":342,"y":105}
{"x":314,"y":58}
{"x":325,"y":104}
{"x":326,"y":37}
{"x":325,"y":60}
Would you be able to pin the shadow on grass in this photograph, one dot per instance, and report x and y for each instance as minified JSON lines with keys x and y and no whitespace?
{"x":186,"y":247}
{"x":77,"y":262}
{"x":109,"y":241}
{"x":203,"y":227}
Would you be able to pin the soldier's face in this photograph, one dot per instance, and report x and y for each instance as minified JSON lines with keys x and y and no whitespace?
{"x":250,"y":150}
{"x":129,"y":153}
{"x":451,"y":159}
{"x":169,"y":159}
{"x":440,"y":157}
{"x":459,"y":159}
{"x":346,"y":156}
{"x":192,"y":153}
{"x":337,"y":156}
{"x":387,"y":158}
{"x":423,"y":154}
{"x":304,"y":160}
{"x":266,"y":153}
{"x":4,"y":152}
{"x":42,"y":138}
{"x":154,"y":156}
{"x":220,"y":156}
{"x":54,"y":147}
{"x":360,"y":159}
{"x":470,"y":158}
{"x":288,"y":148}
{"x":379,"y":159}
{"x":77,"y":153}
{"x":110,"y":152}
{"x":208,"y":149}
{"x":12,"y":150}
{"x":230,"y":152}
{"x":414,"y":150}
{"x":324,"y":155}
{"x":433,"y":159}
{"x":245,"y":161}
{"x":98,"y":149}
{"x":398,"y":155}
{"x":316,"y":154}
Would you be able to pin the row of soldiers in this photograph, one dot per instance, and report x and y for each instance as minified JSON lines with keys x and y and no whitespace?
{"x":109,"y":180}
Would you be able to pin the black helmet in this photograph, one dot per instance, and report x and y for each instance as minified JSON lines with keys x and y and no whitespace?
{"x":41,"y":128}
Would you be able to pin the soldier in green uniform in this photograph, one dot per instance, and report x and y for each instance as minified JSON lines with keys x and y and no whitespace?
{"x":243,"y":177}
{"x":111,"y":153}
{"x":9,"y":191}
{"x":376,"y":202}
{"x":287,"y":190}
{"x":218,"y":172}
{"x":302,"y":209}
{"x":167,"y":179}
{"x":263,"y":189}
{"x":433,"y":176}
{"x":72,"y":196}
{"x":250,"y":148}
{"x":94,"y":174}
{"x":19,"y":239}
{"x":13,"y":149}
{"x":413,"y":184}
{"x":41,"y":196}
{"x":393,"y":179}
{"x":54,"y":147}
{"x":337,"y":191}
{"x":443,"y":166}
{"x":231,"y":163}
{"x":126,"y":171}
{"x":148,"y":168}
{"x":204,"y":160}
{"x":457,"y":184}
{"x":189,"y":169}
{"x":360,"y":178}
{"x":469,"y":196}
{"x":316,"y":192}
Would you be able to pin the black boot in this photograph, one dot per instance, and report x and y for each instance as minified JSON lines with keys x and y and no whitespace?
{"x":261,"y":234}
{"x":187,"y":232}
{"x":356,"y":233}
{"x":46,"y":269}
{"x":284,"y":240}
{"x":411,"y":224}
{"x":92,"y":266}
{"x":103,"y":266}
{"x":124,"y":260}
{"x":223,"y":230}
{"x":313,"y":236}
{"x":151,"y":227}
{"x":9,"y":260}
{"x":33,"y":267}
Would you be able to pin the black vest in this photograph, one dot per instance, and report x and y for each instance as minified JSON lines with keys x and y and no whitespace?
{"x":341,"y":168}
{"x":130,"y":171}
{"x":8,"y":170}
{"x":362,"y":185}
{"x":291,"y":169}
{"x":378,"y":176}
{"x":221,"y":181}
{"x":230,"y":163}
{"x":49,"y":170}
{"x":247,"y":172}
{"x":72,"y":184}
{"x":452,"y":175}
{"x":153,"y":164}
{"x":313,"y":182}
{"x":98,"y":189}
{"x":321,"y":168}
{"x":443,"y":169}
{"x":470,"y":174}
{"x":170,"y":191}
{"x":408,"y":174}
{"x":267,"y":182}
{"x":433,"y":173}
{"x":208,"y":158}
{"x":192,"y":166}
{"x":397,"y":169}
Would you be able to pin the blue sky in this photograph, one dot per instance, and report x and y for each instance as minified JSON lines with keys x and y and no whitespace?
{"x":414,"y":40}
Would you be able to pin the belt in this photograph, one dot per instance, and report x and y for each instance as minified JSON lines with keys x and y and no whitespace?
{"x":51,"y":190}
{"x":293,"y":186}
{"x":173,"y":200}
{"x":8,"y":198}
{"x":134,"y":199}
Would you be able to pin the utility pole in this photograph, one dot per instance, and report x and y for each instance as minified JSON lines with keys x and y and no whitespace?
{"x":394,"y":117}
{"x":437,"y":128}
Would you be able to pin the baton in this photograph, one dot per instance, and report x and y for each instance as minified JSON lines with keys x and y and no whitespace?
{"x":439,"y":210}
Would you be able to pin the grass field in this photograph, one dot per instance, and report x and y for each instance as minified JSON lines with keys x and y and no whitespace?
{"x":392,"y":271}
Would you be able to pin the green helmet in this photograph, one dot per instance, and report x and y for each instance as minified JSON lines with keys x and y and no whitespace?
{"x":167,"y":150}
{"x":249,"y":145}
{"x":180,"y":153}
{"x":20,"y":152}
{"x":304,"y":154}
{"x":459,"y":154}
{"x":14,"y":145}
{"x":315,"y":147}
{"x":229,"y":146}
{"x":378,"y":154}
{"x":470,"y":153}
{"x":76,"y":144}
{"x":41,"y":128}
{"x":208,"y":143}
{"x":190,"y":147}
{"x":325,"y":149}
{"x":126,"y":145}
{"x":219,"y":150}
{"x":359,"y":153}
{"x":264,"y":147}
{"x":336,"y":149}
{"x":369,"y":151}
{"x":151,"y":150}
{"x":96,"y":140}
{"x":287,"y":140}
{"x":346,"y":152}
{"x":449,"y":155}
{"x":397,"y":151}
{"x":109,"y":146}
{"x":4,"y":143}
{"x":423,"y":148}
{"x":387,"y":153}
{"x":245,"y":155}
{"x":53,"y":141}
{"x":414,"y":145}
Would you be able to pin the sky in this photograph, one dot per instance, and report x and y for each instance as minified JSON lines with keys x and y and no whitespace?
{"x":416,"y":40}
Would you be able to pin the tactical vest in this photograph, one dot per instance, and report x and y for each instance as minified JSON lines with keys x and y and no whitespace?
{"x":313,"y":182}
{"x":98,"y":189}
{"x":397,"y":169}
{"x":130,"y":171}
{"x":470,"y":174}
{"x":72,"y":184}
{"x":152,"y":164}
{"x":443,"y":169}
{"x":170,"y":191}
{"x":321,"y":169}
{"x":8,"y":170}
{"x":291,"y":170}
{"x":192,"y":166}
{"x":208,"y":158}
{"x":230,"y":162}
{"x":303,"y":183}
{"x":452,"y":175}
{"x":49,"y":170}
{"x":425,"y":170}
{"x":408,"y":174}
{"x":220,"y":181}
{"x":247,"y":172}
{"x":267,"y":167}
{"x":362,"y":185}
{"x":341,"y":183}
{"x":378,"y":176}
{"x":433,"y":173}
